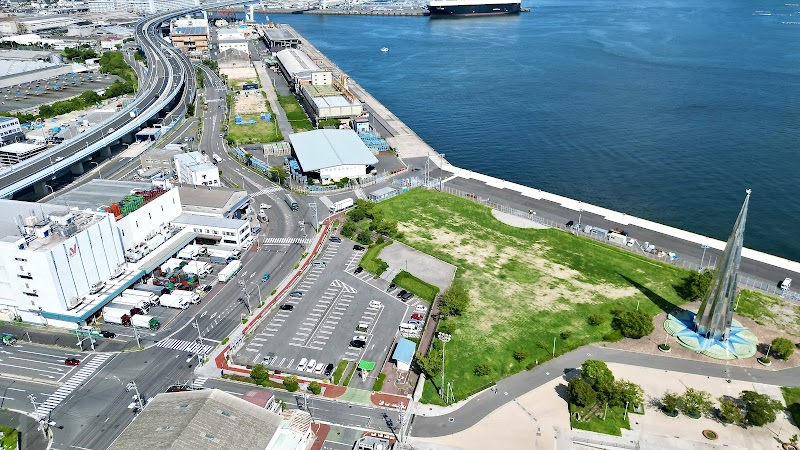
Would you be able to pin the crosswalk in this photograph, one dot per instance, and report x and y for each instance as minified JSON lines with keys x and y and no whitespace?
{"x":265,"y":191}
{"x":199,"y":382}
{"x":87,"y":369}
{"x":286,"y":240}
{"x":185,"y":346}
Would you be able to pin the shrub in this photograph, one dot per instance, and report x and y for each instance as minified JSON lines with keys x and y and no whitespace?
{"x":627,"y":392}
{"x":565,"y":334}
{"x":349,"y":229}
{"x":380,"y":240}
{"x":530,"y":366}
{"x":482,"y":370}
{"x":782,"y":348}
{"x":291,"y":383}
{"x":581,"y":393}
{"x":729,"y":411}
{"x":696,"y":402}
{"x":596,"y":373}
{"x":761,"y":408}
{"x":595,"y":319}
{"x":314,"y":387}
{"x":455,"y":300}
{"x":633,"y":324}
{"x":695,"y":285}
{"x":259,"y":373}
{"x":379,"y":382}
{"x":364,"y":238}
{"x":671,"y":402}
{"x":520,"y":355}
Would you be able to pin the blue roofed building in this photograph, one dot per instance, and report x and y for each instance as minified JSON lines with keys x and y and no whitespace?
{"x":403,"y":354}
{"x":331,"y":155}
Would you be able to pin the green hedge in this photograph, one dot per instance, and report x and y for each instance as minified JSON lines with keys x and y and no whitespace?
{"x":370,"y":261}
{"x":350,"y":375}
{"x":337,"y":375}
{"x":379,"y":382}
{"x":416,"y":286}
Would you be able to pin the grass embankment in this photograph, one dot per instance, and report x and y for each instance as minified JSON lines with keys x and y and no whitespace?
{"x":370,"y":261}
{"x":294,"y":113}
{"x":259,"y":132}
{"x":421,"y":289}
{"x":791,"y":395}
{"x":769,"y":311}
{"x":10,"y":439}
{"x":592,"y":419}
{"x":337,"y":374}
{"x":526,"y":286}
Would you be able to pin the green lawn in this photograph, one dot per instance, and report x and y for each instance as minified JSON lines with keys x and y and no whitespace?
{"x":10,"y":439}
{"x":769,"y":311}
{"x":370,"y":261}
{"x":526,"y":285}
{"x":421,"y":289}
{"x":294,"y":113}
{"x":337,"y":374}
{"x":258,"y":132}
{"x":792,"y":398}
{"x":237,"y":83}
{"x":592,"y":419}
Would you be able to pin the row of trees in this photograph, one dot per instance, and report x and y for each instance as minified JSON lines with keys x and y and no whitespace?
{"x":597,"y":385}
{"x":377,"y":223}
{"x":750,"y":409}
{"x":79,"y":54}
{"x":260,"y":374}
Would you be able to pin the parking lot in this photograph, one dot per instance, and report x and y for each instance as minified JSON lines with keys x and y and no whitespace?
{"x":334,"y":309}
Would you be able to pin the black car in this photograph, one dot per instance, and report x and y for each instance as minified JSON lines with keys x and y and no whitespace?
{"x":108,"y":334}
{"x":328,"y":370}
{"x":286,"y":307}
{"x":358,"y":344}
{"x":401,"y":293}
{"x":570,"y":224}
{"x":335,"y":239}
{"x":359,"y":269}
{"x":391,"y":287}
{"x":358,"y":247}
{"x":406,"y":296}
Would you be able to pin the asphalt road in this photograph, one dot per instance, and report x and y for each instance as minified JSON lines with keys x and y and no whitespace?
{"x":29,"y":360}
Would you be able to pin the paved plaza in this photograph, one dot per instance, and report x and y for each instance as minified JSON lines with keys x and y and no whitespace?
{"x":423,"y":266}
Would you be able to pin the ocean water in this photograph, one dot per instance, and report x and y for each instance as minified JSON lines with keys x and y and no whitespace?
{"x":664,"y":110}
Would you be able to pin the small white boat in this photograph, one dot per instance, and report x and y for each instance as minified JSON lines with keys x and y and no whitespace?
{"x":385,"y":49}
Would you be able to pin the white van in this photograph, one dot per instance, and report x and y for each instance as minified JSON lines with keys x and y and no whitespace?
{"x":302,"y":366}
{"x":375,"y":304}
{"x":318,"y":262}
{"x":409,"y":327}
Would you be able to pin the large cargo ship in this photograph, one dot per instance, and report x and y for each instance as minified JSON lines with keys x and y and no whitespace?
{"x":439,"y":8}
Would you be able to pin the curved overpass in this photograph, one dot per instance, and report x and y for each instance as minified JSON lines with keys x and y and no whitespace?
{"x":166,"y":78}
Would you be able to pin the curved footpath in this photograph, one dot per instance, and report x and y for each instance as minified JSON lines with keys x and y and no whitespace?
{"x":434,"y":421}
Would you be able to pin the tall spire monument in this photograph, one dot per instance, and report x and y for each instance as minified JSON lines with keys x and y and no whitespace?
{"x":713,"y":320}
{"x":713,"y":331}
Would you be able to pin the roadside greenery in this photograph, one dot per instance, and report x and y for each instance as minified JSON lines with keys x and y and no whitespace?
{"x":350,"y":375}
{"x":314,"y":387}
{"x":782,"y":348}
{"x":255,"y":133}
{"x":294,"y":113}
{"x":113,"y":63}
{"x":291,"y":383}
{"x":379,"y":382}
{"x":337,"y":374}
{"x":370,"y":261}
{"x":10,"y":439}
{"x":455,"y":302}
{"x":597,"y":402}
{"x":791,"y":395}
{"x":79,"y":54}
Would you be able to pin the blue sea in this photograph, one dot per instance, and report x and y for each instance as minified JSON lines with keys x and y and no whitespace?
{"x":665,"y":110}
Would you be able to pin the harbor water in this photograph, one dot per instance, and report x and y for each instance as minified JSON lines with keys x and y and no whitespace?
{"x":666,"y":111}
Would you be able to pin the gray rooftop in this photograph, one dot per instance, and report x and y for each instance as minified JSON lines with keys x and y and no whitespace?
{"x":281,"y":34}
{"x":209,"y":221}
{"x":98,"y":193}
{"x":217,"y":201}
{"x":14,"y":213}
{"x":321,"y":149}
{"x":199,"y":420}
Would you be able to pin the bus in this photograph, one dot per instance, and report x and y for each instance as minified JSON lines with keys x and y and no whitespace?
{"x":292,"y":204}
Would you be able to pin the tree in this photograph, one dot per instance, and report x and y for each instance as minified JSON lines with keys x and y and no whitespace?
{"x":627,"y":392}
{"x":259,"y":373}
{"x":671,"y":402}
{"x":581,"y":393}
{"x":357,"y":214}
{"x":349,"y":229}
{"x":455,"y":300}
{"x":520,"y":355}
{"x":782,"y":348}
{"x":314,"y":387}
{"x":278,"y":173}
{"x":291,"y":383}
{"x":430,"y":364}
{"x":761,"y":409}
{"x":597,"y":374}
{"x":364,"y":237}
{"x":695,"y":285}
{"x":482,"y":370}
{"x":729,"y":411}
{"x":696,"y":402}
{"x":633,"y":324}
{"x":90,"y":97}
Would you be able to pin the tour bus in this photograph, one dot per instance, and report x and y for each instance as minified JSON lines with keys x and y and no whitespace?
{"x":290,"y":201}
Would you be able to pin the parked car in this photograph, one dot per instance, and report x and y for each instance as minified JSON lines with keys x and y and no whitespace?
{"x":358,"y":270}
{"x":360,"y":337}
{"x":311,"y":365}
{"x":268,"y":358}
{"x":265,"y":206}
{"x":328,"y":370}
{"x":358,"y":344}
{"x":786,"y":283}
{"x":318,"y":262}
{"x":358,"y":247}
{"x":301,"y":366}
{"x":265,"y":277}
{"x":417,"y":316}
{"x":570,"y":223}
{"x":420,"y":309}
{"x":406,"y":297}
{"x":335,"y":239}
{"x":203,"y":288}
{"x":415,"y":322}
{"x":72,"y":361}
{"x":295,"y":294}
{"x":320,"y":367}
{"x":108,"y":334}
{"x":401,"y":293}
{"x":287,"y":307}
{"x":375,"y":304}
{"x":391,"y":287}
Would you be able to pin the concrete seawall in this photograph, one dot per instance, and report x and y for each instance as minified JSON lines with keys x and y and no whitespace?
{"x":409,"y":145}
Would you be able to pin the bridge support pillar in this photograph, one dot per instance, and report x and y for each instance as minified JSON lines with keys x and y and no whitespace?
{"x":105,"y":152}
{"x":77,"y":168}
{"x":41,"y":189}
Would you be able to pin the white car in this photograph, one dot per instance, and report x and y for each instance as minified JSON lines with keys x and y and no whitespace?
{"x":264,"y":206}
{"x":302,"y":366}
{"x":786,"y":283}
{"x":375,"y":304}
{"x":320,"y":367}
{"x":311,"y":365}
{"x":360,"y":337}
{"x":420,"y":309}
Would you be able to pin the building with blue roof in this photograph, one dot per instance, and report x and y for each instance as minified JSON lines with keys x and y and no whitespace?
{"x":403,"y":354}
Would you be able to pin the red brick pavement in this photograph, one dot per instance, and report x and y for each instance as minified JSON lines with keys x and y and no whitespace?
{"x":321,"y":430}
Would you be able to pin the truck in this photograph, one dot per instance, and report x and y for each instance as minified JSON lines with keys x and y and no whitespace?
{"x":618,"y":239}
{"x":230,"y":271}
{"x":129,"y":309}
{"x":147,"y":295}
{"x":174,"y":301}
{"x":189,"y":296}
{"x":132,"y":302}
{"x":149,"y":322}
{"x":342,"y":205}
{"x":198,"y":268}
{"x":112,"y":315}
{"x":221,"y":259}
{"x":9,"y":339}
{"x":291,"y":202}
{"x":191,"y":252}
{"x":225,"y":248}
{"x":180,"y":147}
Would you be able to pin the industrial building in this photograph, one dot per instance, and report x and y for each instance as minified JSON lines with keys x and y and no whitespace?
{"x":211,"y":419}
{"x":331,"y":155}
{"x":193,"y":168}
{"x":139,"y":6}
{"x":16,"y":152}
{"x":190,"y":35}
{"x":158,"y":158}
{"x":216,"y":230}
{"x":280,"y":37}
{"x":240,"y":45}
{"x":325,"y":101}
{"x":296,"y":66}
{"x":216,"y":202}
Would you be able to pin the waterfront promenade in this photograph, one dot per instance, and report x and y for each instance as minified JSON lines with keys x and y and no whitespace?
{"x":693,"y":250}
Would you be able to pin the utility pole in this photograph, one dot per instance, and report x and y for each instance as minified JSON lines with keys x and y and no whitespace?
{"x":199,"y":341}
{"x":441,"y":172}
{"x":313,"y":205}
{"x":39,"y":417}
{"x":445,"y":338}
{"x":137,"y":397}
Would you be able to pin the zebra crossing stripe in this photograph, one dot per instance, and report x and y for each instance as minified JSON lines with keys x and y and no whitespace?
{"x":66,"y":389}
{"x":199,"y":382}
{"x":287,"y":240}
{"x":265,"y":191}
{"x":192,"y":347}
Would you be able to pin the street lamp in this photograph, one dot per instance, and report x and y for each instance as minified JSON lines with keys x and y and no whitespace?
{"x":97,"y":166}
{"x":441,"y":171}
{"x":704,"y":246}
{"x":445,"y":338}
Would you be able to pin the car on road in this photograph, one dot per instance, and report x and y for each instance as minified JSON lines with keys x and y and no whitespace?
{"x":287,"y":307}
{"x":110,"y":130}
{"x":420,"y":309}
{"x":301,"y":366}
{"x":311,"y":365}
{"x":417,"y":316}
{"x":358,"y":344}
{"x":108,"y":334}
{"x":220,"y":135}
{"x":358,"y":247}
{"x":401,"y":293}
{"x":264,"y":206}
{"x":630,"y":242}
{"x":570,"y":223}
{"x":295,"y":294}
{"x":265,"y":277}
{"x":375,"y":304}
{"x":335,"y":239}
{"x":72,"y":361}
{"x":320,"y":367}
{"x":786,"y":283}
{"x":358,"y":270}
{"x":328,"y":370}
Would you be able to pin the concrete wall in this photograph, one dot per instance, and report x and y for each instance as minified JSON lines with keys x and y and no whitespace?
{"x":136,"y":226}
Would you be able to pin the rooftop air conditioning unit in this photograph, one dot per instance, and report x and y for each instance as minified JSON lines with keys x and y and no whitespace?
{"x":73,"y":302}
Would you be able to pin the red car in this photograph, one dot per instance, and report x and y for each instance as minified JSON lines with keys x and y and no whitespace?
{"x":72,"y":361}
{"x":417,"y":316}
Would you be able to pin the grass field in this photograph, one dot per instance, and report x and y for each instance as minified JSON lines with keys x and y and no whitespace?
{"x":258,"y":132}
{"x":526,"y":285}
{"x":294,"y":113}
{"x":792,"y":398}
{"x":613,"y":423}
{"x":340,"y":368}
{"x":10,"y":439}
{"x":769,"y":311}
{"x":421,"y":289}
{"x":370,"y":261}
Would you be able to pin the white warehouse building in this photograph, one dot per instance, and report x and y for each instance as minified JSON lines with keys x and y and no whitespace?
{"x":332,"y":154}
{"x":192,"y":168}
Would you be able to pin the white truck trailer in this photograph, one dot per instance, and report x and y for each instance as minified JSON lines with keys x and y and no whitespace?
{"x":113,"y":315}
{"x":190,"y":296}
{"x":198,"y":268}
{"x":148,"y":322}
{"x":342,"y":205}
{"x":132,"y":303}
{"x":149,"y":296}
{"x":174,"y":301}
{"x":230,"y":271}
